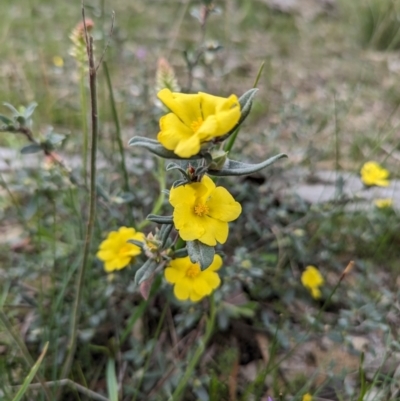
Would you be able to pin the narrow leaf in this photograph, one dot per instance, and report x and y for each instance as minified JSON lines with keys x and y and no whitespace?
{"x":155,"y":147}
{"x":146,"y":271}
{"x":181,"y":253}
{"x":29,"y":110}
{"x":32,"y":148}
{"x":5,"y":120}
{"x":200,"y":253}
{"x":160,"y":219}
{"x":11,"y":108}
{"x":31,"y":375}
{"x":111,"y":377}
{"x":235,"y":168}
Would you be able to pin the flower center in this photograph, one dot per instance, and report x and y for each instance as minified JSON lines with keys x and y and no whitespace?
{"x":125,"y":250}
{"x":196,"y":124}
{"x":193,"y":271}
{"x":201,"y":209}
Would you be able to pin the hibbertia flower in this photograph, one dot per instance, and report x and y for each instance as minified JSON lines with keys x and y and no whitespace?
{"x":372,"y":173}
{"x":190,"y":282}
{"x":312,"y":280}
{"x":202,"y":211}
{"x":195,"y":119}
{"x":116,"y":252}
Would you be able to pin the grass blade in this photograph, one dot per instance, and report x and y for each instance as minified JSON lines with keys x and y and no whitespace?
{"x":31,"y":374}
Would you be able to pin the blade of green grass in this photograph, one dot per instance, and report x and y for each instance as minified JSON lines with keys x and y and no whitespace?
{"x":31,"y":374}
{"x":111,"y":377}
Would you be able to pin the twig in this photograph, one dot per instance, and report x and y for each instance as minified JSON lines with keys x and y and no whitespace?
{"x":92,"y":206}
{"x":67,"y":382}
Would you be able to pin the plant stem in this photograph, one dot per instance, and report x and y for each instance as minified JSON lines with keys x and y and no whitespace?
{"x":92,"y":212}
{"x":161,"y":197}
{"x":197,"y":355}
{"x":117,"y":128}
{"x":82,"y":77}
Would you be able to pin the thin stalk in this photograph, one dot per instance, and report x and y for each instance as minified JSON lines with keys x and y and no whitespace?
{"x":232,"y":139}
{"x":117,"y":128}
{"x":92,"y":210}
{"x":85,"y":129}
{"x":27,"y":356}
{"x":161,"y":197}
{"x":176,"y":396}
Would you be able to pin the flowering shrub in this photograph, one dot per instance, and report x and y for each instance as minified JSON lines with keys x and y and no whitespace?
{"x":194,"y":129}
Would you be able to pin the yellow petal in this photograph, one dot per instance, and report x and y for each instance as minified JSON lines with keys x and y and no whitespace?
{"x":172,"y":131}
{"x":212,"y":279}
{"x":183,"y":194}
{"x":173,"y":275}
{"x":214,"y":230}
{"x":195,"y":297}
{"x":223,"y":206}
{"x":216,"y":264}
{"x":185,"y":106}
{"x":182,"y":290}
{"x":105,"y":254}
{"x":188,"y":147}
{"x":201,"y":286}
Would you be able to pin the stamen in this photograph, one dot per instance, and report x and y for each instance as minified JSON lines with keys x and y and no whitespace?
{"x":196,"y":124}
{"x":193,"y":271}
{"x":201,"y":209}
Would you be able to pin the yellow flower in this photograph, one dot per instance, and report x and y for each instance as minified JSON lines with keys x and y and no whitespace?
{"x":312,"y":280}
{"x":190,"y":281}
{"x":58,"y":61}
{"x":307,"y":397}
{"x":116,"y":252}
{"x":383,"y":203}
{"x":202,"y":211}
{"x":373,"y":173}
{"x":195,"y":119}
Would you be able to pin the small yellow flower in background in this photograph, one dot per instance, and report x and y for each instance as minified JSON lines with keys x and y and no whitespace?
{"x":195,"y":119}
{"x":190,"y":281}
{"x":116,"y":252}
{"x":372,"y":173}
{"x":312,"y":280}
{"x":202,"y":211}
{"x":307,"y":397}
{"x":383,"y":203}
{"x":58,"y":61}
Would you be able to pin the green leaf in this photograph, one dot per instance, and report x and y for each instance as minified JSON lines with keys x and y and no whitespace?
{"x":246,"y":101}
{"x":29,"y":110}
{"x":181,"y":253}
{"x":200,"y":253}
{"x":111,"y":377}
{"x":175,"y":166}
{"x":165,"y":231}
{"x":155,"y":147}
{"x":32,"y":148}
{"x":11,"y":108}
{"x":31,"y":375}
{"x":146,"y":271}
{"x":160,"y":219}
{"x":54,"y":138}
{"x":136,"y":242}
{"x":6,"y":120}
{"x":235,"y":168}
